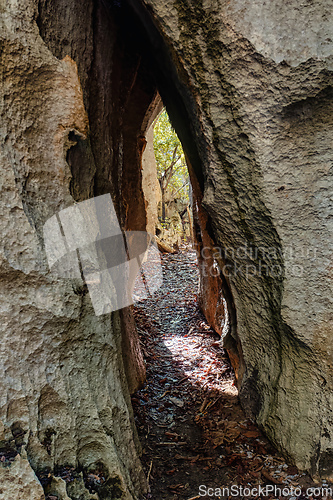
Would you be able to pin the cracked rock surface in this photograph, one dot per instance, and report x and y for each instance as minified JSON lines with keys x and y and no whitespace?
{"x":250,"y":93}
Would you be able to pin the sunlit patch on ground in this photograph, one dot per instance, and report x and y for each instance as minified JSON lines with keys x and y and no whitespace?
{"x":192,"y":428}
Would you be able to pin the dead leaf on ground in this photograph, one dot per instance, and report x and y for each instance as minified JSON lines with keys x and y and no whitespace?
{"x":252,"y":434}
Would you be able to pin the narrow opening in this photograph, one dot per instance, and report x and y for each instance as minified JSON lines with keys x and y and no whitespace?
{"x":192,"y":428}
{"x":196,"y":439}
{"x":167,"y":187}
{"x":195,"y":436}
{"x":187,"y":413}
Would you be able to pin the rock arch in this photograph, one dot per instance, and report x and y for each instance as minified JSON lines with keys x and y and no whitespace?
{"x":78,"y":82}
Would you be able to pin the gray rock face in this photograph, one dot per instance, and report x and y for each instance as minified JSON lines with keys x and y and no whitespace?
{"x":283,"y":31}
{"x":19,"y":481}
{"x":64,"y":390}
{"x":250,"y":92}
{"x":150,"y":185}
{"x":262,"y":84}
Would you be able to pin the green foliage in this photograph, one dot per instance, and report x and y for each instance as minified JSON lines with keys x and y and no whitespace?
{"x":170,"y":159}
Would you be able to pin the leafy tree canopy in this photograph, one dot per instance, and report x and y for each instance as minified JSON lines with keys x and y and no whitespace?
{"x":170,"y":159}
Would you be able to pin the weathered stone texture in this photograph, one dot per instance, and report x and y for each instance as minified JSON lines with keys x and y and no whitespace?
{"x":63,"y":385}
{"x":150,"y":184}
{"x":249,"y":87}
{"x":262,"y":82}
{"x":19,"y":481}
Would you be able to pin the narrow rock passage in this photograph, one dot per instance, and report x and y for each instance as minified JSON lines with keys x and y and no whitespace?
{"x":191,"y":426}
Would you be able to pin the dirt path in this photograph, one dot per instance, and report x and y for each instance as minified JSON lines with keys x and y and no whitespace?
{"x":191,"y":426}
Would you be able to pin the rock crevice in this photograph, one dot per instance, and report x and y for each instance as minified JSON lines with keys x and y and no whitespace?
{"x":78,"y":85}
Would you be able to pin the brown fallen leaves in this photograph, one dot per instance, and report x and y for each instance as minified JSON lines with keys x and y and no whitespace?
{"x":188,"y":415}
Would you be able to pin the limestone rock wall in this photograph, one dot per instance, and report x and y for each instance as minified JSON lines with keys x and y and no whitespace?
{"x":150,"y":183}
{"x":19,"y":481}
{"x":250,"y":94}
{"x":255,"y":80}
{"x":65,"y":373}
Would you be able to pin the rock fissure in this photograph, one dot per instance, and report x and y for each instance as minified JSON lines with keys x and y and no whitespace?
{"x":79,"y":83}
